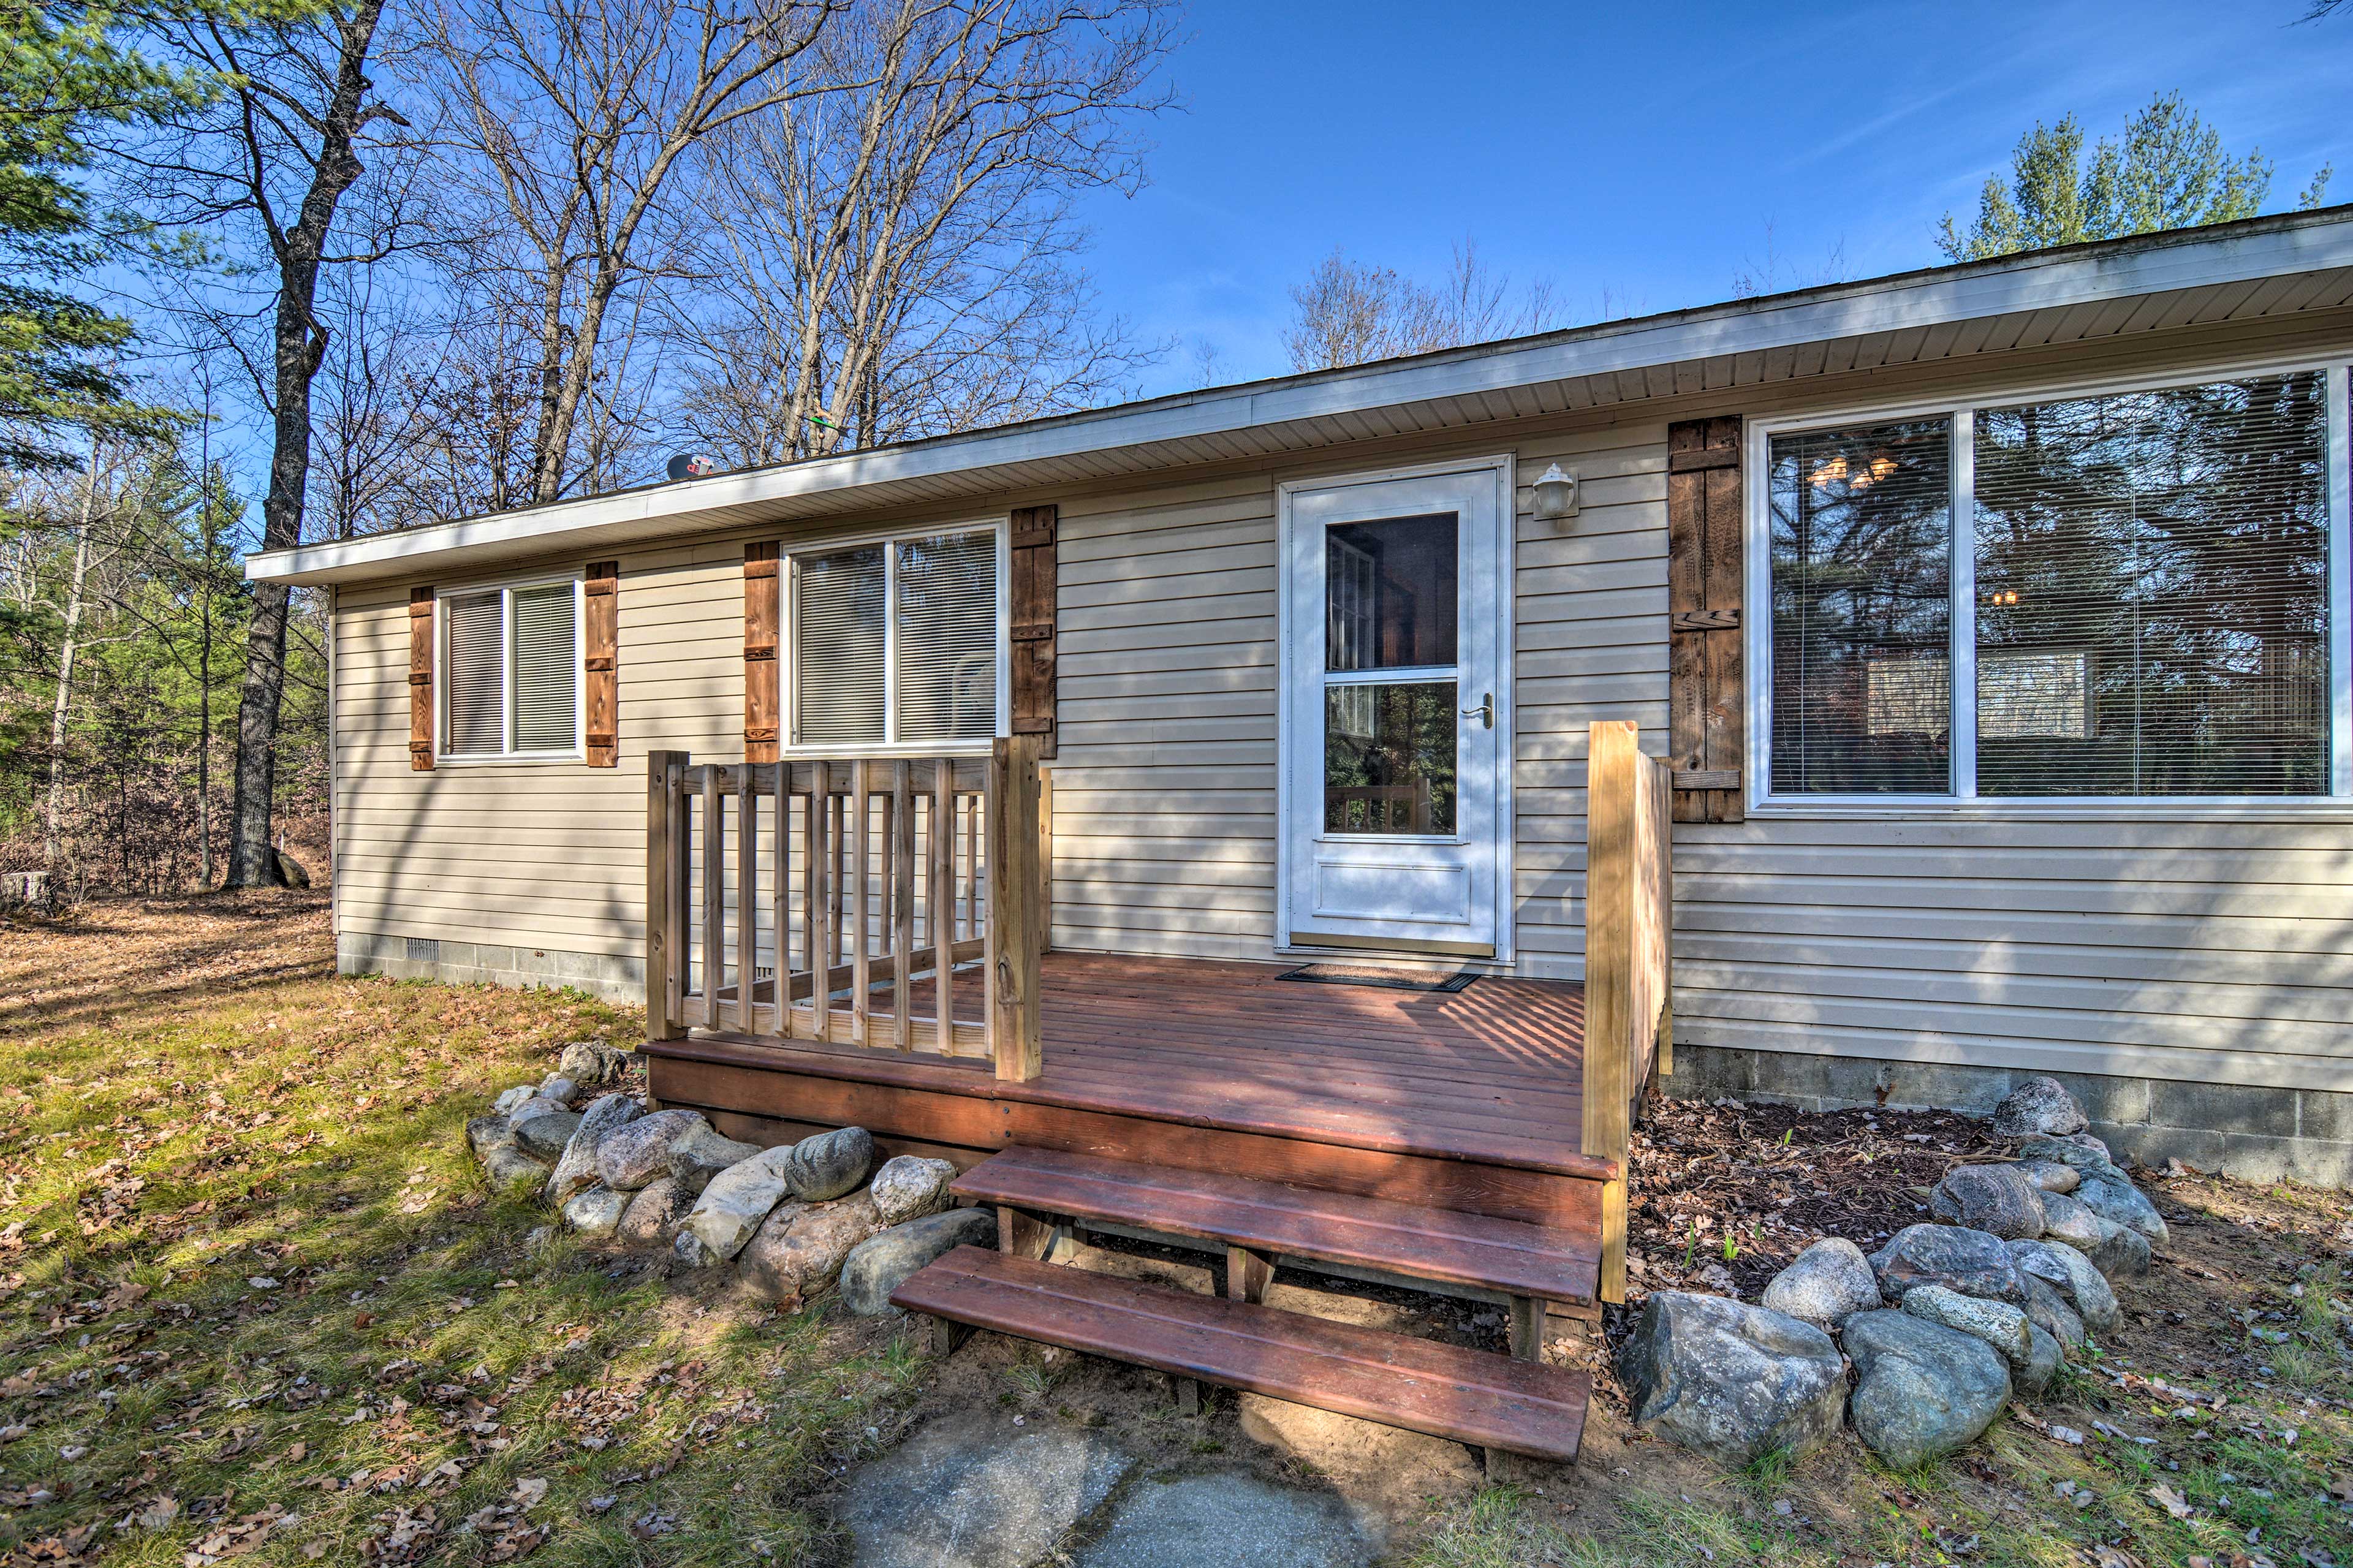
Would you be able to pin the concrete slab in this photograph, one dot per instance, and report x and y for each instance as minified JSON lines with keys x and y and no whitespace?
{"x":1225,"y":1520}
{"x":976,"y":1491}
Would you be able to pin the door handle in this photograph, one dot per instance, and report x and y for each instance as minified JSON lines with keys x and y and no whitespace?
{"x":1486,"y":710}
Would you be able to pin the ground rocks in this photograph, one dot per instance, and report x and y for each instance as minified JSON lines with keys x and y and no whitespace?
{"x":2074,"y":1273}
{"x":2071,"y":1222}
{"x":801,"y":1248}
{"x":2115,"y":1197}
{"x":1969,"y":1261}
{"x":880,"y":1265}
{"x":653,"y":1215}
{"x":907,"y":1187}
{"x":2121,"y":1254}
{"x":703,"y":1153}
{"x":2079,"y":1150}
{"x":630,"y":1157}
{"x":1997,"y":1199}
{"x":577,"y":1167}
{"x":2039,"y":1105}
{"x":484,"y":1133}
{"x":2042,"y":1366}
{"x":506,"y":1166}
{"x":1828,"y":1283}
{"x":509,"y":1099}
{"x":534,"y":1105}
{"x":1729,"y":1380}
{"x":543,"y":1137}
{"x":596,"y":1211}
{"x":2047,"y":1310}
{"x":827,"y":1164}
{"x":732,"y":1208}
{"x":1925,"y":1390}
{"x":1997,"y":1323}
{"x":591,"y":1063}
{"x":557,"y":1087}
{"x":2049,"y":1175}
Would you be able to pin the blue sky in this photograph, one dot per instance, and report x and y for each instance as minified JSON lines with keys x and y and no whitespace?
{"x":1640,"y":152}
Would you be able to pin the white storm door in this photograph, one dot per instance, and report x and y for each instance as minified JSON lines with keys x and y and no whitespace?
{"x":1396,"y":739}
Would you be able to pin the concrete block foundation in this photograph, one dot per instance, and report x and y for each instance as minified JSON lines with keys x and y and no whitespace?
{"x":613,"y":977}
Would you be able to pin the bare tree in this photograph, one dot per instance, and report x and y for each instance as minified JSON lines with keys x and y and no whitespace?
{"x":1348,"y":312}
{"x":568,"y":120}
{"x":896,"y":258}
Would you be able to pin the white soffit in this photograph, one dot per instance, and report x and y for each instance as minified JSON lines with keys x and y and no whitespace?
{"x":2234,"y":272}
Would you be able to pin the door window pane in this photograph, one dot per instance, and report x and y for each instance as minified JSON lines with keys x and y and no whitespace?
{"x":1390,"y":592}
{"x":838,"y":659}
{"x":1388,"y":758}
{"x":1862,"y":549}
{"x":2152,"y":577}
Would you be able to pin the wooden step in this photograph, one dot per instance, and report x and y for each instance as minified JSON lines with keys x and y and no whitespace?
{"x":1440,"y":1245}
{"x":1469,"y":1396}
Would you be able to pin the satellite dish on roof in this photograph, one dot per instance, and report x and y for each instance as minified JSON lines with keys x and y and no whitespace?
{"x":691,"y":465}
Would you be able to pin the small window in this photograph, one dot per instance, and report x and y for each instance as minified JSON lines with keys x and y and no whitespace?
{"x":896,"y":643}
{"x":511,"y":671}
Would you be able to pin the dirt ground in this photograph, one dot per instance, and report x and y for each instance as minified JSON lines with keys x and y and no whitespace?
{"x":192,"y":1103}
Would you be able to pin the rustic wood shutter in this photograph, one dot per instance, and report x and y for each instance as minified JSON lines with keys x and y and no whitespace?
{"x":602,"y":637}
{"x":421,"y":680}
{"x":1705,"y":712}
{"x":763,"y":618}
{"x":1032,"y":631}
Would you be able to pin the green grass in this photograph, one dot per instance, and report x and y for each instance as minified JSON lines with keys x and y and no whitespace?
{"x":412,"y":1364}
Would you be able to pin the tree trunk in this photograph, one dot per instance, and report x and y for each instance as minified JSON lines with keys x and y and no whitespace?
{"x":53,"y":847}
{"x":300,"y":345}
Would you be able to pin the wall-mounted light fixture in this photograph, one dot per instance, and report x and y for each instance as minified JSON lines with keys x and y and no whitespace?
{"x":1555,"y":495}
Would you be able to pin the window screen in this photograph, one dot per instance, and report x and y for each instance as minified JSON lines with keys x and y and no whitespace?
{"x":1862,"y":549}
{"x":474,"y":674}
{"x":946,"y":641}
{"x":546,"y":669}
{"x":837,"y":652}
{"x":2152,"y":577}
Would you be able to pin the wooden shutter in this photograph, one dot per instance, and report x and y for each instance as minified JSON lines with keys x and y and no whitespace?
{"x":1704,"y":707}
{"x":762,"y":615}
{"x":602,"y":638}
{"x":1032,"y":631}
{"x":421,"y":680}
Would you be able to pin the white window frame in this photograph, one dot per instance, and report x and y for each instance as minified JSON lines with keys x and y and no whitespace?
{"x":789,"y":654}
{"x":1963,"y":800}
{"x":506,"y":588}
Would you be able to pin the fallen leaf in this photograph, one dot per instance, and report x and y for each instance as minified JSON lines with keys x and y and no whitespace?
{"x":2171,"y":1501}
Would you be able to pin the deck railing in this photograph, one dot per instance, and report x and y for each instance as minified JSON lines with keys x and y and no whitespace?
{"x":1629,"y":888}
{"x":838,"y":899}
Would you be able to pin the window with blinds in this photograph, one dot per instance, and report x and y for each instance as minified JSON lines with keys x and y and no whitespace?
{"x":2146,"y":609}
{"x":511,"y":671}
{"x":897,"y":642}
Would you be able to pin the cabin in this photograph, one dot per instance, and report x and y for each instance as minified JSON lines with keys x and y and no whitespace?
{"x":1306,"y":819}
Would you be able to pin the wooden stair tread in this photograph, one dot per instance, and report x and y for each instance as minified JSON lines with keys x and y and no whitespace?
{"x":1445,"y":1390}
{"x":1440,"y":1245}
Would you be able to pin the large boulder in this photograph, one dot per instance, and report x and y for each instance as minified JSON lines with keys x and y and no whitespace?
{"x":2040,"y":1105}
{"x":544,"y":1137}
{"x":557,"y":1087}
{"x":578,"y":1168}
{"x":2084,"y":1286}
{"x":907,"y":1187}
{"x":2000,"y":1324}
{"x":592,"y":1063}
{"x":1729,"y":1380}
{"x":1924,"y":1390}
{"x":801,"y":1248}
{"x":1969,"y":1261}
{"x":732,"y":1208}
{"x":880,"y":1264}
{"x":596,"y":1211}
{"x":2049,"y":1175}
{"x":633,"y":1156}
{"x":507,"y":1166}
{"x":1999,"y":1200}
{"x":2047,"y":1308}
{"x":703,"y":1153}
{"x":2040,"y":1367}
{"x":2115,"y":1197}
{"x":652,"y":1218}
{"x":2121,"y":1253}
{"x":2066,"y":1220}
{"x":1828,"y":1283}
{"x":2080,"y":1151}
{"x":533,"y":1105}
{"x":826,"y":1164}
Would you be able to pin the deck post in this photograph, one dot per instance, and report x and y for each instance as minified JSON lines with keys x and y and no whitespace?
{"x":664,"y":773}
{"x":1016,"y":940}
{"x":1628,"y":887}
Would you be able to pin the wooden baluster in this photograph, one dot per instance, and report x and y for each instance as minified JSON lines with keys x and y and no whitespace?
{"x":681,"y":874}
{"x":859,"y":982}
{"x":780,"y":914}
{"x":839,"y":806}
{"x":747,"y":903}
{"x":942,"y":909}
{"x":983,"y":876}
{"x":714,"y":874}
{"x":665,"y":944}
{"x":971,"y":865}
{"x":903,"y":907}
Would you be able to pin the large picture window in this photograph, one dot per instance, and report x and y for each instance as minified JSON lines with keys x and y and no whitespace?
{"x":511,"y":671}
{"x":2134,"y":585}
{"x":895,"y":642}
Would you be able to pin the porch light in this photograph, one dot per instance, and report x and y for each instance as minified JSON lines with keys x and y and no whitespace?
{"x":1555,"y":495}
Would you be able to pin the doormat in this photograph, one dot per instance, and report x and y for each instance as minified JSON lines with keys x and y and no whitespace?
{"x":1388,"y":979}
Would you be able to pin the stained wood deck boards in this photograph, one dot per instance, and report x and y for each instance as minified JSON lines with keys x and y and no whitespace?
{"x":1446,"y":1391}
{"x":1363,"y":1232}
{"x":1488,"y":1075}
